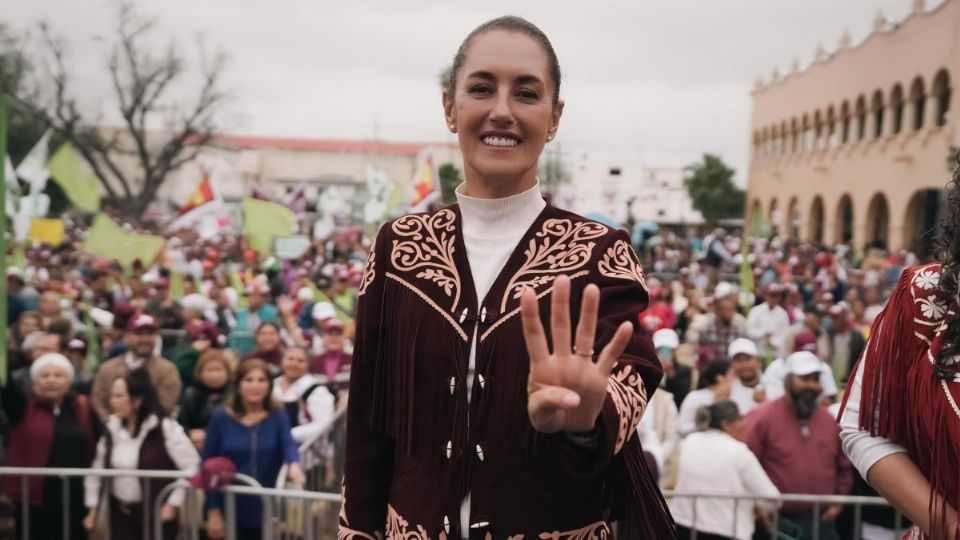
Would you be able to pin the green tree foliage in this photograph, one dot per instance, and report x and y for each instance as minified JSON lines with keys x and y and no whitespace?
{"x":711,"y":188}
{"x":449,"y":180}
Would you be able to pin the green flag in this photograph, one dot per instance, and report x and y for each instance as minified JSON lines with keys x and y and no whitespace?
{"x":237,"y":285}
{"x":80,"y":186}
{"x":263,"y":221}
{"x":107,"y":239}
{"x":176,"y":285}
{"x":746,"y":271}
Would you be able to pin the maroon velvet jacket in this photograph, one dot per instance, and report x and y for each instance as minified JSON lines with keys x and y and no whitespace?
{"x":415,"y":447}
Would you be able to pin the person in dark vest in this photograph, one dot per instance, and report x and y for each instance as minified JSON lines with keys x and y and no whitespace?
{"x":210,"y":390}
{"x":139,"y":435}
{"x":50,"y":427}
{"x":715,"y":256}
{"x":309,"y":403}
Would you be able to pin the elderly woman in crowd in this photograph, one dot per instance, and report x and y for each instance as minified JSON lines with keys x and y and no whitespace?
{"x":138,"y":436}
{"x":715,"y":461}
{"x":308,"y":403}
{"x":51,"y":427}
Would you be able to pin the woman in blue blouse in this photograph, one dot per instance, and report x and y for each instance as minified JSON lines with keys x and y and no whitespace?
{"x":253,"y":431}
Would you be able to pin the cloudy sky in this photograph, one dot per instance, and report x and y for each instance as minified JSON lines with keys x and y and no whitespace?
{"x":656,"y":82}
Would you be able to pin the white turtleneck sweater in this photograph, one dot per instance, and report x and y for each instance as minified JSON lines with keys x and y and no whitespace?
{"x":492,"y":228}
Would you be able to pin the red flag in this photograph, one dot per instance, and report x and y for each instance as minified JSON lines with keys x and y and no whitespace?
{"x":202,"y":195}
{"x":425,"y":184}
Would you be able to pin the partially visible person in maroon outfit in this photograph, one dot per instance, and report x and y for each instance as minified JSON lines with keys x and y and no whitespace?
{"x":798,"y":445}
{"x":50,"y":427}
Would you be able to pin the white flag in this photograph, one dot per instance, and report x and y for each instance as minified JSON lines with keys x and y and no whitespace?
{"x":10,"y":175}
{"x":33,"y":168}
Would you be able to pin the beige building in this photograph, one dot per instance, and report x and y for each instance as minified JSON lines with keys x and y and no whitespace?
{"x":858,"y":146}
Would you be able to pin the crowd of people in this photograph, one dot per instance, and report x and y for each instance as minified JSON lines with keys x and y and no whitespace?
{"x":754,"y":377}
{"x":211,"y":351}
{"x":214,"y":350}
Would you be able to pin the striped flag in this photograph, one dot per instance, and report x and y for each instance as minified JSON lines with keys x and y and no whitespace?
{"x":426,"y":185}
{"x":203,"y":194}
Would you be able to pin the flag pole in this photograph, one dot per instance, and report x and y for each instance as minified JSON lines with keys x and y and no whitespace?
{"x":3,"y":242}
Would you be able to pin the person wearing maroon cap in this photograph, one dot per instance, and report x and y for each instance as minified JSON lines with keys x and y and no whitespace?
{"x":811,"y":324}
{"x":202,"y":336}
{"x":141,"y":338}
{"x":334,"y":359}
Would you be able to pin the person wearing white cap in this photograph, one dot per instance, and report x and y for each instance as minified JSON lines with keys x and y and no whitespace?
{"x":767,"y":323}
{"x":798,"y":444}
{"x":747,"y":389}
{"x":677,"y":377}
{"x":49,"y":427}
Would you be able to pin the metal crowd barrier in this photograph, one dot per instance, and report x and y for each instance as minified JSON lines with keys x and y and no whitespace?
{"x":291,"y":514}
{"x":818,"y":501}
{"x":190,"y":518}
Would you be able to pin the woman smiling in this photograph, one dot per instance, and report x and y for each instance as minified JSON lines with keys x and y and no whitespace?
{"x":466,"y":417}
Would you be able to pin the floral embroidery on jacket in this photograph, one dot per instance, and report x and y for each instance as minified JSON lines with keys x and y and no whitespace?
{"x":429,"y":248}
{"x":630,"y":399}
{"x":397,"y":528}
{"x":369,"y":273}
{"x":621,"y":261}
{"x":594,"y":531}
{"x":565,"y":247}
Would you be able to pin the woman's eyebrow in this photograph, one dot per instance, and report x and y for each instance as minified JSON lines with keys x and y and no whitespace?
{"x":522,"y":79}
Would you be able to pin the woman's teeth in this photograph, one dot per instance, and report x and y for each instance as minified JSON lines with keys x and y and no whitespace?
{"x":500,"y":141}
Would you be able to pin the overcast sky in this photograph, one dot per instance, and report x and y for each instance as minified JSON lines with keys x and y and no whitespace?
{"x":656,"y":82}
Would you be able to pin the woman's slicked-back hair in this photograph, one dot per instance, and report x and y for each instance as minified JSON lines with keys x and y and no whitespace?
{"x":508,"y":23}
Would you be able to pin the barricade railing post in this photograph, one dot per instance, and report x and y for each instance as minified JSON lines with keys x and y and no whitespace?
{"x":66,"y":507}
{"x":693,"y":527}
{"x":144,"y":496}
{"x":230,"y":515}
{"x":776,"y":521}
{"x":24,"y":507}
{"x":816,"y":520}
{"x":857,"y":516}
{"x":308,"y":519}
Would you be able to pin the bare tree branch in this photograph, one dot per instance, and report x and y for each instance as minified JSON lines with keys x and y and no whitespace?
{"x":142,"y":84}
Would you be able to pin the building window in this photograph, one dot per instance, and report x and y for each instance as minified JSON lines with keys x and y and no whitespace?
{"x":794,"y":138}
{"x":896,"y":108}
{"x":831,"y":128}
{"x":941,"y":89}
{"x":918,"y":98}
{"x":861,"y":118}
{"x":845,"y":123}
{"x":878,"y":111}
{"x":817,"y":131}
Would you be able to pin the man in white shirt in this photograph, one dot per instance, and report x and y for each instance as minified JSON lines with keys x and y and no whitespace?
{"x":747,"y":389}
{"x":768,"y":323}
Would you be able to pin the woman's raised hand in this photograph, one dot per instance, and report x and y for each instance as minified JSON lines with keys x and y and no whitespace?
{"x":566,"y":389}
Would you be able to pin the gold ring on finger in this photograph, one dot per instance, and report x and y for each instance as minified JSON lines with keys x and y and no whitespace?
{"x":578,"y":352}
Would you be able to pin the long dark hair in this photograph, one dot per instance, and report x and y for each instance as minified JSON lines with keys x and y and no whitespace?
{"x":140,"y":386}
{"x":508,"y":23}
{"x":947,"y":250}
{"x":713,"y":372}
